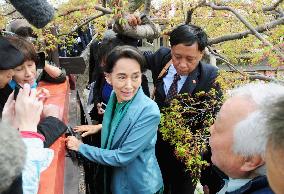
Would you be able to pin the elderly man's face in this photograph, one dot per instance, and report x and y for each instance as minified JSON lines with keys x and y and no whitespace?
{"x":5,"y":77}
{"x":234,"y":110}
{"x":275,"y":168}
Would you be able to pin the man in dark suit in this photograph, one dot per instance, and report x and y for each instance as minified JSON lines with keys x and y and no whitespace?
{"x":183,"y":73}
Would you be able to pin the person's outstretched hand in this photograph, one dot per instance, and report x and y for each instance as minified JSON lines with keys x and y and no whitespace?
{"x":101,"y":111}
{"x":133,"y":20}
{"x":86,"y":130}
{"x":73,"y":143}
{"x":42,"y":93}
{"x":8,"y":113}
{"x":28,"y":109}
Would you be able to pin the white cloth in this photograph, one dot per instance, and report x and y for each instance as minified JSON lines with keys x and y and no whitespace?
{"x":38,"y":159}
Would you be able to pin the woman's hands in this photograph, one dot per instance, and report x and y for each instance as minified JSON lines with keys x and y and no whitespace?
{"x":52,"y":71}
{"x":8,"y":113}
{"x":28,"y":109}
{"x":24,"y":113}
{"x":73,"y":143}
{"x":100,"y":108}
{"x":42,"y":94}
{"x":86,"y":130}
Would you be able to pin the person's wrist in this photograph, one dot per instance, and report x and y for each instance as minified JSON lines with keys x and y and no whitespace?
{"x":32,"y":134}
{"x":79,"y":145}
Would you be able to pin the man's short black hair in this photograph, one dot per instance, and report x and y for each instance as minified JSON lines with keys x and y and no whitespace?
{"x":188,"y":34}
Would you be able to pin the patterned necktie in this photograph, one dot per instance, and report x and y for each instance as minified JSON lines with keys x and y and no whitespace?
{"x":173,"y":91}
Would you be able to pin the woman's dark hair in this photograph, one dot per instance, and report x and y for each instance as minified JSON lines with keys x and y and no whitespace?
{"x":188,"y":35}
{"x":98,"y":54}
{"x":126,"y":51}
{"x":25,"y":47}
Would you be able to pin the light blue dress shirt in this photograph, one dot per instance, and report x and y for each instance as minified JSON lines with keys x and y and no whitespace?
{"x":232,"y":185}
{"x":168,"y":79}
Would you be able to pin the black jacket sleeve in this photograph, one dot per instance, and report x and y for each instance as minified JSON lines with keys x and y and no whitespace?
{"x":51,"y":128}
{"x":44,"y":76}
{"x":156,"y":61}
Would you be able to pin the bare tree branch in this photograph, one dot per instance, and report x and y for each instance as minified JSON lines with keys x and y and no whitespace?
{"x":134,"y":5}
{"x":147,"y":6}
{"x":80,"y":8}
{"x":259,"y":76}
{"x":84,"y":23}
{"x":191,"y":10}
{"x":250,"y":75}
{"x":189,"y":16}
{"x":10,"y":13}
{"x":222,"y":58}
{"x":242,"y":19}
{"x":272,"y":7}
{"x":147,"y":29}
{"x":244,"y":34}
{"x":104,"y":3}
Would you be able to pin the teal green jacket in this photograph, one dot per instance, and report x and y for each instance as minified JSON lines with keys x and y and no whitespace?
{"x":132,"y":153}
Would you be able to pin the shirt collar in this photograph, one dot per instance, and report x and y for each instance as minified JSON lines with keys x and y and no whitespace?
{"x":234,"y":184}
{"x":13,"y":84}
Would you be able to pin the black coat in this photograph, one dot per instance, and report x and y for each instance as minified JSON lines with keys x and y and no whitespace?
{"x":258,"y":185}
{"x":204,"y":75}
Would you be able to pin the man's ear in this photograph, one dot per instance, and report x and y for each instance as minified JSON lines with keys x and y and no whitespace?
{"x":202,"y":53}
{"x":108,"y":78}
{"x":251,"y":163}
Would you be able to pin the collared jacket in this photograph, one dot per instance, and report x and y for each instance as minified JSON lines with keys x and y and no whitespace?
{"x":258,"y":185}
{"x":135,"y":169}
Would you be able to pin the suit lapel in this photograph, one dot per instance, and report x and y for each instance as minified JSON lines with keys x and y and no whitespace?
{"x":190,"y":82}
{"x":160,"y":88}
{"x":121,"y":131}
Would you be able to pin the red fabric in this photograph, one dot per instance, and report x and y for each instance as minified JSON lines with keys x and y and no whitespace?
{"x":31,"y":134}
{"x":52,"y":179}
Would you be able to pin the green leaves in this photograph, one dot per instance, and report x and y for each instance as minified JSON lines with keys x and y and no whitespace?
{"x":185,"y":124}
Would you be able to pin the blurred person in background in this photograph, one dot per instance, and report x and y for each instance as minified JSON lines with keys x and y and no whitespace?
{"x":275,"y":146}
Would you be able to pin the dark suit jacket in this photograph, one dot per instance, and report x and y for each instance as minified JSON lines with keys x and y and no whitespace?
{"x":201,"y":79}
{"x":204,"y":75}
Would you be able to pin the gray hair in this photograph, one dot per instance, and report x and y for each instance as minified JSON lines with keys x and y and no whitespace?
{"x":249,"y":134}
{"x":13,"y":154}
{"x":275,"y":123}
